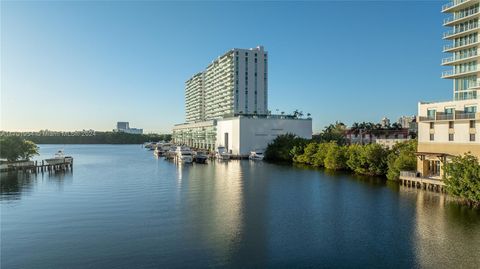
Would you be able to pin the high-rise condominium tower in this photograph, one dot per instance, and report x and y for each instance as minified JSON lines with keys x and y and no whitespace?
{"x":464,"y":43}
{"x":235,"y":83}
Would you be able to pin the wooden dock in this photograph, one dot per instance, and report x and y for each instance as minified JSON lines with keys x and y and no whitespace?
{"x":410,"y":179}
{"x":38,"y":167}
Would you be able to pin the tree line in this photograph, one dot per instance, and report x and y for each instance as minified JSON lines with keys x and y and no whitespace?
{"x":99,"y":138}
{"x":462,"y":173}
{"x":370,"y":159}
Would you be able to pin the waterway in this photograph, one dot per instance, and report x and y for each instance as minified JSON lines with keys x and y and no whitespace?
{"x":121,"y":207}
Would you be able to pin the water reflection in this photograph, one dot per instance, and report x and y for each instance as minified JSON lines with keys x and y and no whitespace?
{"x":446,"y":234}
{"x":15,"y":184}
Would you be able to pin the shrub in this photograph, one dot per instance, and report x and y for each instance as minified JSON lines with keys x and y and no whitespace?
{"x":462,"y":178}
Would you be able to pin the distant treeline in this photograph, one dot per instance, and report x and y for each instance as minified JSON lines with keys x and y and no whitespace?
{"x":99,"y":138}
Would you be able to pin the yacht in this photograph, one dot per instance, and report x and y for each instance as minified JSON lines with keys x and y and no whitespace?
{"x":222,"y":154}
{"x":59,"y":158}
{"x":184,"y":154}
{"x":256,"y":155}
{"x":200,"y":157}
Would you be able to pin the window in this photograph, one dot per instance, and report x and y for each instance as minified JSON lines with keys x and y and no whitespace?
{"x":431,"y":113}
{"x":472,"y":124}
{"x":432,"y":137}
{"x":472,"y":137}
{"x":432,"y":125}
{"x":450,"y":124}
{"x":470,"y":109}
{"x":450,"y":137}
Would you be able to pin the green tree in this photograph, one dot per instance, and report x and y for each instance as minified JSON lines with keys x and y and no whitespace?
{"x":462,"y":178}
{"x":321,"y":154}
{"x":280,"y":149}
{"x":308,"y":152}
{"x":336,"y":157}
{"x":370,"y":159}
{"x":14,"y":148}
{"x":401,"y":157}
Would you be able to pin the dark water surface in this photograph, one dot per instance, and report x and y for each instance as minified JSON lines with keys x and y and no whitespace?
{"x":122,"y":208}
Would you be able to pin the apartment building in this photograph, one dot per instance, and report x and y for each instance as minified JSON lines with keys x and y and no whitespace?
{"x":195,"y":98}
{"x":446,"y":129}
{"x":227,"y":105}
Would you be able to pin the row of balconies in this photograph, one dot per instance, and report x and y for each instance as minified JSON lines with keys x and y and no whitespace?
{"x":452,"y":5}
{"x":463,"y":30}
{"x":458,"y":115}
{"x":460,"y":45}
{"x":463,"y":16}
{"x":453,"y":59}
{"x":453,"y":73}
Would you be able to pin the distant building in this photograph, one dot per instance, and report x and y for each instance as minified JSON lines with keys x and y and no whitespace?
{"x":385,"y":122}
{"x":124,"y":127}
{"x":406,"y":121}
{"x":386,"y":137}
{"x":227,"y":105}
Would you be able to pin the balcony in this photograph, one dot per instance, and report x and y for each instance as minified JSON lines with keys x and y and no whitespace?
{"x":457,"y":32}
{"x":455,"y":4}
{"x":458,"y":46}
{"x":458,"y":115}
{"x":469,"y":14}
{"x":464,"y":58}
{"x":453,"y":73}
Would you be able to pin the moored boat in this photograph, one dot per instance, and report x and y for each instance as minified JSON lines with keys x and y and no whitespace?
{"x":200,"y":157}
{"x":222,"y":154}
{"x":256,"y":155}
{"x":59,"y":158}
{"x":184,"y":154}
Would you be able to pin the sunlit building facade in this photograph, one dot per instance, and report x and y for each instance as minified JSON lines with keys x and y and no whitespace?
{"x":451,"y":128}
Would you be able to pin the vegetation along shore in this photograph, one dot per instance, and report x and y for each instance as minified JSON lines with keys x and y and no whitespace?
{"x":328,"y":150}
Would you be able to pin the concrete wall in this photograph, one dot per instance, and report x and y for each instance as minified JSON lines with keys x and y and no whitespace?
{"x":247,"y":134}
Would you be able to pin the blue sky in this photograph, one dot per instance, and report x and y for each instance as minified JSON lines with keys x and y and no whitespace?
{"x":82,"y":65}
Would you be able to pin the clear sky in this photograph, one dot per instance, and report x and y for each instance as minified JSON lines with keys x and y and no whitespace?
{"x":86,"y":65}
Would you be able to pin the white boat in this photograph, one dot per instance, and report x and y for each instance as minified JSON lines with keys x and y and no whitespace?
{"x":184,"y":154}
{"x":150,"y":145}
{"x":222,"y":154}
{"x":162,"y":148}
{"x":59,"y":158}
{"x":256,"y":155}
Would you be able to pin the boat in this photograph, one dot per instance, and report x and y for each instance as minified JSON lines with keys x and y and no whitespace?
{"x":150,"y":145}
{"x":256,"y":155}
{"x":200,"y":157}
{"x":60,"y":158}
{"x":184,"y":154}
{"x":170,"y":153}
{"x":161,"y":148}
{"x":222,"y":154}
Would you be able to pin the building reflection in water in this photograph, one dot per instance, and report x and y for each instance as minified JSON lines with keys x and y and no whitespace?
{"x":15,"y":184}
{"x":447,"y":235}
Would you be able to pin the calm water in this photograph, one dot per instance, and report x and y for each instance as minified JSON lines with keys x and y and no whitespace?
{"x":123,"y":208}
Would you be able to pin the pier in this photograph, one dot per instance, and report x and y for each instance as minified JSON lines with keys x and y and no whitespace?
{"x":38,"y":167}
{"x":410,"y":179}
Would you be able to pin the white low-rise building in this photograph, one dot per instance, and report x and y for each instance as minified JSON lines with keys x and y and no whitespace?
{"x":241,"y":135}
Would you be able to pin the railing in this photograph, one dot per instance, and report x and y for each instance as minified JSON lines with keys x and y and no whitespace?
{"x":408,"y":174}
{"x":452,"y":59}
{"x":461,"y":16}
{"x":427,"y":118}
{"x":465,"y":115}
{"x":453,"y":72}
{"x":441,"y":116}
{"x":468,"y":27}
{"x":452,"y":4}
{"x":459,"y":44}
